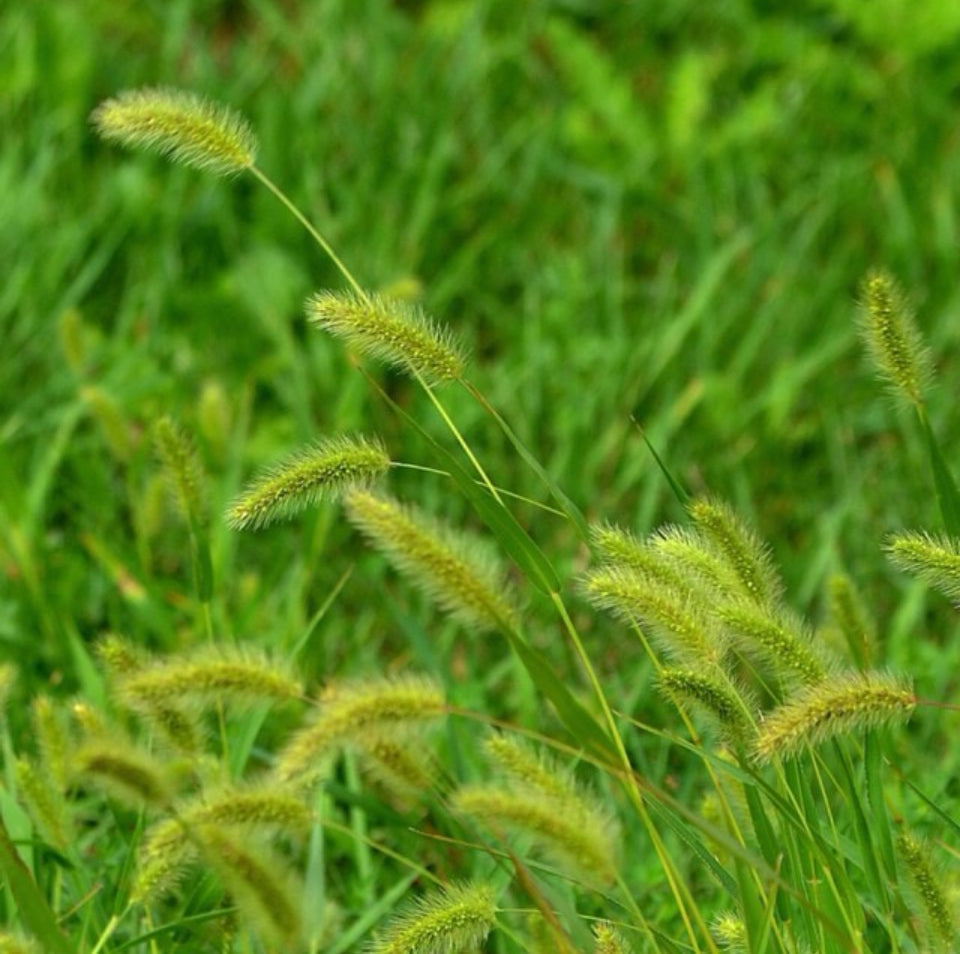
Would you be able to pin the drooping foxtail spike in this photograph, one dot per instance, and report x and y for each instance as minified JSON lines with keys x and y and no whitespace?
{"x":183,"y":126}
{"x":324,"y":471}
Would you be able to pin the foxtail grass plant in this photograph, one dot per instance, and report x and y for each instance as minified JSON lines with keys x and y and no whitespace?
{"x":218,"y":797}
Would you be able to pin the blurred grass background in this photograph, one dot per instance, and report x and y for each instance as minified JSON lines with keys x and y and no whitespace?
{"x":658,"y":210}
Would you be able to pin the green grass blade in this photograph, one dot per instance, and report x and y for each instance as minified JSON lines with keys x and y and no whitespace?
{"x":572,"y":511}
{"x":31,"y":904}
{"x":948,"y":497}
{"x":678,"y":490}
{"x":879,"y":820}
{"x":868,"y":850}
{"x":687,"y":835}
{"x":511,"y":536}
{"x":531,"y":559}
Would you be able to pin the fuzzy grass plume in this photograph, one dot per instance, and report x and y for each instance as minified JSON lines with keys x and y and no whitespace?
{"x":581,"y":842}
{"x":266,"y":891}
{"x":183,"y":471}
{"x":545,"y":803}
{"x":850,"y":618}
{"x":454,"y":569}
{"x":893,"y":339}
{"x":208,"y":677}
{"x":927,"y":883}
{"x":933,"y":559}
{"x":180,"y":125}
{"x":454,"y":921}
{"x":393,"y":332}
{"x":323,"y":471}
{"x":356,"y":712}
{"x":712,"y":694}
{"x":740,"y":547}
{"x":608,"y":939}
{"x":783,"y":643}
{"x":167,"y":849}
{"x":674,"y":618}
{"x":839,"y":705}
{"x":124,"y":772}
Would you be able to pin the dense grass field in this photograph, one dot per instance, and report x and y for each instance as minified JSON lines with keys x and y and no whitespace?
{"x":648,"y":222}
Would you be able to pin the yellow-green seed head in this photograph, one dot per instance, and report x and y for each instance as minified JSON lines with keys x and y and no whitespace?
{"x":782,"y":642}
{"x":207,"y":678}
{"x":676,"y":621}
{"x":324,"y":471}
{"x":456,"y":570}
{"x":731,"y":932}
{"x":740,"y":547}
{"x":182,"y":126}
{"x":927,"y":883}
{"x":14,"y":943}
{"x":608,"y":939}
{"x":839,"y":705}
{"x":713,"y":694}
{"x":128,"y":774}
{"x":182,"y":469}
{"x":394,"y":332}
{"x":850,"y":618}
{"x":455,"y":921}
{"x":266,"y":891}
{"x":351,"y":714}
{"x":893,"y":339}
{"x":935,"y":560}
{"x":576,"y":835}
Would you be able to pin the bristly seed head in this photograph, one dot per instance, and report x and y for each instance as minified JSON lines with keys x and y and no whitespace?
{"x":458,"y":919}
{"x":453,"y":568}
{"x":182,"y":126}
{"x":326,"y":470}
{"x":391,"y":331}
{"x":838,"y":705}
{"x":933,"y":559}
{"x":893,"y":339}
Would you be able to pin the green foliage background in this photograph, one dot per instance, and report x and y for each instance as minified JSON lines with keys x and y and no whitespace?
{"x":658,"y":210}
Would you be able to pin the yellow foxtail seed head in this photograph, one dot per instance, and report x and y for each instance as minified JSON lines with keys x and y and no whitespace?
{"x":782,"y":642}
{"x":893,"y":339}
{"x":456,"y":570}
{"x":45,"y":804}
{"x":182,"y":126}
{"x":836,"y":706}
{"x":609,"y":939}
{"x":457,"y":919}
{"x":394,"y":332}
{"x":523,"y":764}
{"x":207,"y":678}
{"x":935,"y":560}
{"x":927,"y":883}
{"x":676,"y":622}
{"x":128,"y":774}
{"x":740,"y":547}
{"x":352,"y":713}
{"x":265,"y":889}
{"x":182,"y":469}
{"x":731,"y":932}
{"x":849,"y":615}
{"x":578,"y":837}
{"x":323,"y":471}
{"x":714,"y":695}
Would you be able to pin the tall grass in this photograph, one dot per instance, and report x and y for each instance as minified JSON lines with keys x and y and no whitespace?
{"x":260,"y":807}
